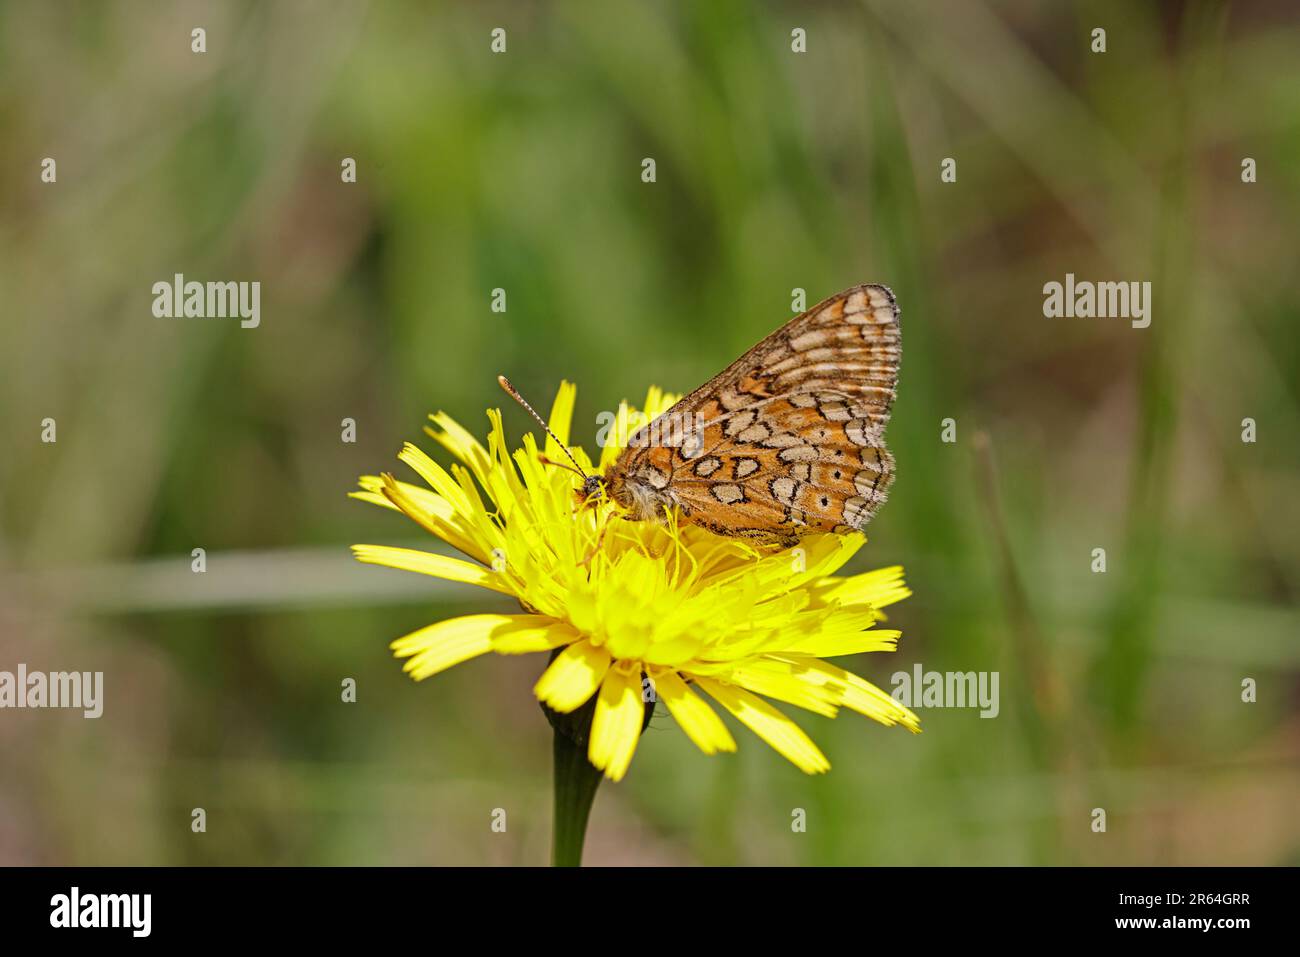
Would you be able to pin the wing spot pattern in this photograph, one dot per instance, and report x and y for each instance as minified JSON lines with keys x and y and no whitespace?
{"x":728,"y":494}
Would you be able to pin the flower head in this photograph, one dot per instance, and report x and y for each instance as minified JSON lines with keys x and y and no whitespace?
{"x":637,"y":607}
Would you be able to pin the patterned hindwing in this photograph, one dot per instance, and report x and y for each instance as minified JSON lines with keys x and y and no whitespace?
{"x":789,"y":439}
{"x":801,"y":469}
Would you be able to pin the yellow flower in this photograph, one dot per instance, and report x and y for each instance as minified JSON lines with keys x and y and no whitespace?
{"x":636,"y":606}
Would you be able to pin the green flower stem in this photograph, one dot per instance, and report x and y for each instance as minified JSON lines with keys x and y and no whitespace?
{"x":576,"y":780}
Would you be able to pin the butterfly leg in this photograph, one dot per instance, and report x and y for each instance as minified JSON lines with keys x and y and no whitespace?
{"x":600,"y":540}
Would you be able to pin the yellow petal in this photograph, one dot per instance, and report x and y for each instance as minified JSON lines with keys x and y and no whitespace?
{"x":528,"y":633}
{"x":437,"y":647}
{"x":435,"y":515}
{"x":439,"y":479}
{"x":857,"y":693}
{"x":626,"y":421}
{"x":373,"y":491}
{"x":560,"y":419}
{"x":616,"y":726}
{"x":775,"y":679}
{"x":878,"y":588}
{"x":573,"y":676}
{"x":374,"y":498}
{"x":866,"y":699}
{"x":502,"y":482}
{"x":769,"y":724}
{"x":657,"y":402}
{"x":701,"y":724}
{"x":457,"y":440}
{"x":836,"y":644}
{"x":427,"y":563}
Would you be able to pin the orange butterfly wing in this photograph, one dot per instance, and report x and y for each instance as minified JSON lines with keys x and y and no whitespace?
{"x":788,"y":439}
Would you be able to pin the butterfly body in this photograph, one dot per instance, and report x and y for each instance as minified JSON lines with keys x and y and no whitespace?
{"x":786,"y":441}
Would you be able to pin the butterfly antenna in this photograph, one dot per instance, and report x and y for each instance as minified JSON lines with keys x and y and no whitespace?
{"x":547,"y":460}
{"x":514,"y":394}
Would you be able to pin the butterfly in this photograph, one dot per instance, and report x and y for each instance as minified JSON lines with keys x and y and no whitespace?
{"x":786,"y":441}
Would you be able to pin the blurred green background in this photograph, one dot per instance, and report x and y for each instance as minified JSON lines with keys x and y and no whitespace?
{"x":775,"y":170}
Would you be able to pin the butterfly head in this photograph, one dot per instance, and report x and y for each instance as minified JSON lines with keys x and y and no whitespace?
{"x":593,"y":488}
